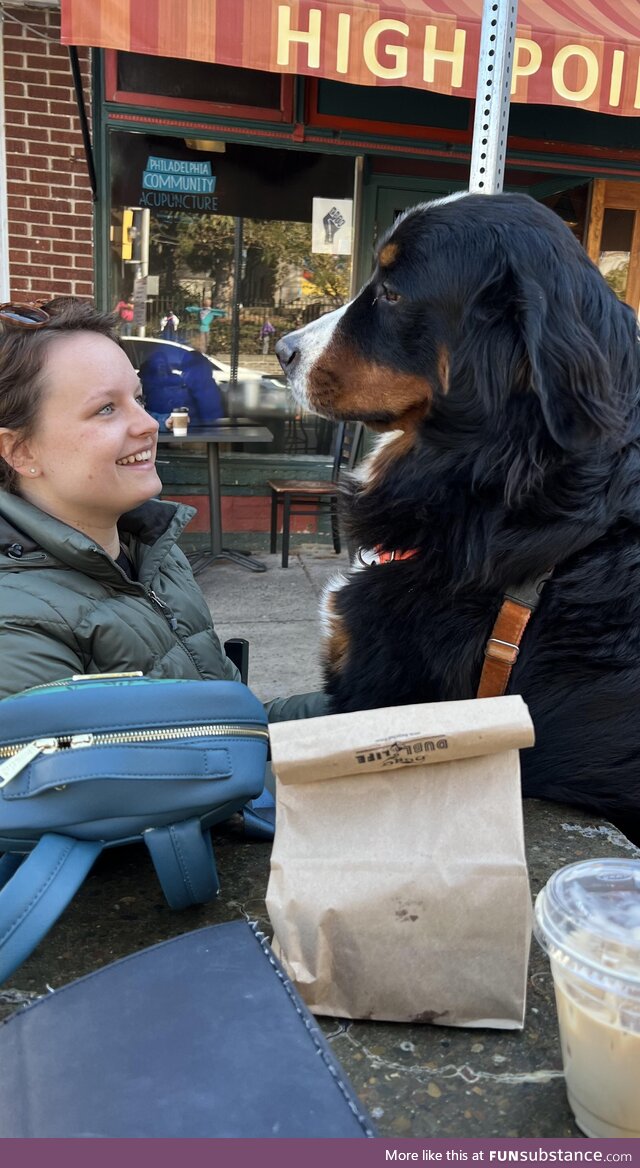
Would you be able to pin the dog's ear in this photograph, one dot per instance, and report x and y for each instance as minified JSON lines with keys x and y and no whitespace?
{"x":569,"y":369}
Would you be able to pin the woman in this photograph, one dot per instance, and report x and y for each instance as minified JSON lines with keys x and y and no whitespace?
{"x":91,"y":577}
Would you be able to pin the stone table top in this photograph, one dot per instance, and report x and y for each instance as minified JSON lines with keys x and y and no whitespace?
{"x":415,"y":1080}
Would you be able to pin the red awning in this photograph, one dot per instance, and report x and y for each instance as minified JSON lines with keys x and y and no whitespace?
{"x":583,"y":53}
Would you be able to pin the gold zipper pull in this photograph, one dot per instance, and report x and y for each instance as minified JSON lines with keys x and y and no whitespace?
{"x":19,"y":761}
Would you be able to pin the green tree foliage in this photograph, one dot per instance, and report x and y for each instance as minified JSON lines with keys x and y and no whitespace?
{"x":204,"y":245}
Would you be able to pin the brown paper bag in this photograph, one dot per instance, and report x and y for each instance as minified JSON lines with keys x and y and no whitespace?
{"x":399,"y":888}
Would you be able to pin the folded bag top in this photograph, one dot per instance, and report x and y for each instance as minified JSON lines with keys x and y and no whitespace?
{"x":94,"y":762}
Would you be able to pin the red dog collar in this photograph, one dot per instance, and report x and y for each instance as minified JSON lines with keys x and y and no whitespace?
{"x":389,"y":557}
{"x":503,"y":646}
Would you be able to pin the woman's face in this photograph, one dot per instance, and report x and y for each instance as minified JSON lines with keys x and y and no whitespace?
{"x":94,"y":445}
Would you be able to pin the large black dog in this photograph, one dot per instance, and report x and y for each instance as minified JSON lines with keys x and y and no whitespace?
{"x":509,"y":375}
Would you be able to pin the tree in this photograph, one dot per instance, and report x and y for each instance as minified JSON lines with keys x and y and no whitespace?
{"x":328,"y":278}
{"x":205,"y":245}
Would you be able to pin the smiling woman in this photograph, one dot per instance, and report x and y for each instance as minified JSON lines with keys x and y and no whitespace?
{"x":90,"y":455}
{"x":91,"y":576}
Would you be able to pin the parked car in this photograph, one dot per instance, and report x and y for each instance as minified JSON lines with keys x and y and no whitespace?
{"x":139,"y":348}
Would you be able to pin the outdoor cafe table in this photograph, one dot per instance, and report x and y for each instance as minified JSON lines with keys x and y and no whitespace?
{"x":212,"y":437}
{"x":415,"y":1080}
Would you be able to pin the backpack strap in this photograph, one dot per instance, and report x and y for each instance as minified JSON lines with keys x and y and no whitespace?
{"x":35,"y":895}
{"x":259,"y":816}
{"x":36,"y":890}
{"x":183,"y":858}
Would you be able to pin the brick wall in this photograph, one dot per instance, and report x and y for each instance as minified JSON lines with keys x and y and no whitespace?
{"x":48,"y":189}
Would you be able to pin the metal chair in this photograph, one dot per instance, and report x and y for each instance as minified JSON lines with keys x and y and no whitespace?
{"x":300,"y":497}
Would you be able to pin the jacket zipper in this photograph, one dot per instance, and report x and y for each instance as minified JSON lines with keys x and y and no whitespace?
{"x":172,"y":621}
{"x":20,"y":755}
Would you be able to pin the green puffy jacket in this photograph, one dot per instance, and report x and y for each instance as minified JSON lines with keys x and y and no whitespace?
{"x":66,"y":607}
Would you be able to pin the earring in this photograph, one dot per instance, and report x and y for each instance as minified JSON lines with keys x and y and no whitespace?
{"x":33,"y":470}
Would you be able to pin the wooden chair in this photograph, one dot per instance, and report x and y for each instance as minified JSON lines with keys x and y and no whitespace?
{"x":300,"y":497}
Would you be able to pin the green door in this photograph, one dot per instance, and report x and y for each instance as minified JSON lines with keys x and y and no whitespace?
{"x":383,"y":200}
{"x":391,"y":202}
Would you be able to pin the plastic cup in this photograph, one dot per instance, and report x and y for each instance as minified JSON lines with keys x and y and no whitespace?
{"x":180,"y":420}
{"x":587,"y":918}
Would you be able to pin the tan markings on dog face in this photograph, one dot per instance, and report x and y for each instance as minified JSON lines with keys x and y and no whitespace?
{"x":343,"y":384}
{"x":336,"y":644}
{"x":388,"y":255}
{"x":444,"y":369}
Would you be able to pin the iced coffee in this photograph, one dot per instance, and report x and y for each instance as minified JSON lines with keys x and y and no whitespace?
{"x":588,"y":920}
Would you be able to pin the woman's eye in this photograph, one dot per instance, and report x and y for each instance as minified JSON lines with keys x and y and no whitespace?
{"x":390,"y":294}
{"x":108,"y":409}
{"x":141,"y":400}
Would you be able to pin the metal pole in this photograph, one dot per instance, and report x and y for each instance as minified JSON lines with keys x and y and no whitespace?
{"x":235,"y":316}
{"x":5,"y":284}
{"x":358,"y":173}
{"x":493,"y":96}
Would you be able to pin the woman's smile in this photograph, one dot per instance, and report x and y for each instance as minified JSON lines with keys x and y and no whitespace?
{"x":140,"y":458}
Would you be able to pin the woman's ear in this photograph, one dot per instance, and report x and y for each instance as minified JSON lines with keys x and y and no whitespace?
{"x":16,"y":453}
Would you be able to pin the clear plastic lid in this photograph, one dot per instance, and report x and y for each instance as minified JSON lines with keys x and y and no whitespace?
{"x":587,"y":917}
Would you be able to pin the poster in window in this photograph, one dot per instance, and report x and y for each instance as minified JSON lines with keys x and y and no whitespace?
{"x":331,"y":226}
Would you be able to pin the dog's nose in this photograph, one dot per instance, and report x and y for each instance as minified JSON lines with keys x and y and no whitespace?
{"x":286,"y":352}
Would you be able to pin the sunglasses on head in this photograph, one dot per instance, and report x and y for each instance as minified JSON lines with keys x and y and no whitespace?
{"x":25,"y":316}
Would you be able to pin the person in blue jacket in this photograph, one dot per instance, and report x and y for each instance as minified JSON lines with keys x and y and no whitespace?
{"x":180,"y":377}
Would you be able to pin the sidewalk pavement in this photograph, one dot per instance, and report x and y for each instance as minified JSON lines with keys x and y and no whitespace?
{"x":278,"y":612}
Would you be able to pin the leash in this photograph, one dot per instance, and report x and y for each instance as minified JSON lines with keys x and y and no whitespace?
{"x":503,"y":647}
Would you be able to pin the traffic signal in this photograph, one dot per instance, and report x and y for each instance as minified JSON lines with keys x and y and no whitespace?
{"x":126,"y":246}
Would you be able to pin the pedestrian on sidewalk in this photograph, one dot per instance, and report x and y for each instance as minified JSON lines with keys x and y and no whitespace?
{"x":205,"y":315}
{"x":124,"y":309}
{"x":266,"y":333}
{"x":169,"y":325}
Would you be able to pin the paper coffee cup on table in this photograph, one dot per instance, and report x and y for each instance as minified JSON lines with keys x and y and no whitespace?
{"x":180,"y":422}
{"x":587,"y":918}
{"x":252,"y":394}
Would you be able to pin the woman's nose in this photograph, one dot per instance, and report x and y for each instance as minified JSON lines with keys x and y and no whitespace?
{"x":144,"y":423}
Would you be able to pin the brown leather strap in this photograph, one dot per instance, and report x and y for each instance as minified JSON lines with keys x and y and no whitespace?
{"x":503,"y":646}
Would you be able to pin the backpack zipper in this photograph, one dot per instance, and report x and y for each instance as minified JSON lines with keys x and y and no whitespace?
{"x":19,"y":756}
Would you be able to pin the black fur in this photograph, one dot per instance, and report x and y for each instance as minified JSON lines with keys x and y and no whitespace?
{"x":528,"y":458}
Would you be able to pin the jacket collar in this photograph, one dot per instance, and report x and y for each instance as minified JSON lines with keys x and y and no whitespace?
{"x":25,"y":530}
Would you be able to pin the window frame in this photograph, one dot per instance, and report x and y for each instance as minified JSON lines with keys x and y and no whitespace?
{"x":283,"y":113}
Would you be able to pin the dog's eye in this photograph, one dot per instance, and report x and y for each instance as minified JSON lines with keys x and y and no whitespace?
{"x":390,"y":294}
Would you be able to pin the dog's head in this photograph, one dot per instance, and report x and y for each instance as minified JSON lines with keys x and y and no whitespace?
{"x":483,"y":311}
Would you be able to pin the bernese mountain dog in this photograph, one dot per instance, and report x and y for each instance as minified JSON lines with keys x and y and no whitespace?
{"x":506,"y":374}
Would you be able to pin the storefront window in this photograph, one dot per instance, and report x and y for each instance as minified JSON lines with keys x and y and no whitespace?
{"x":224,"y":250}
{"x":196,"y":81}
{"x":615,"y":248}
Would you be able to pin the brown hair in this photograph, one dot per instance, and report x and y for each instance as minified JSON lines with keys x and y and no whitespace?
{"x":22,"y":357}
